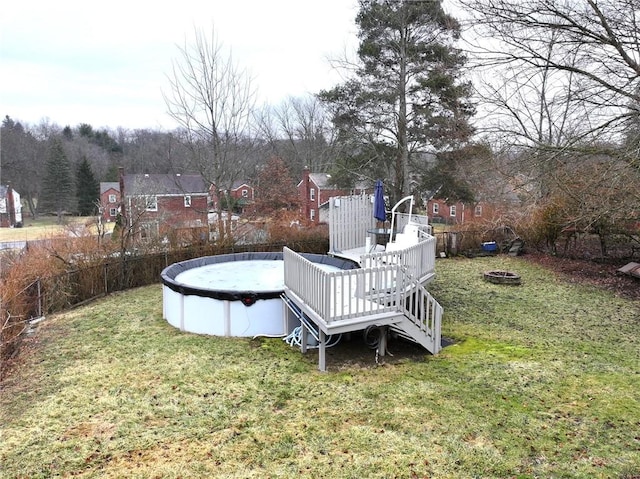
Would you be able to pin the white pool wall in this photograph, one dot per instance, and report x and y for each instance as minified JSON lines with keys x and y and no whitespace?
{"x":217,"y":317}
{"x":203,"y":310}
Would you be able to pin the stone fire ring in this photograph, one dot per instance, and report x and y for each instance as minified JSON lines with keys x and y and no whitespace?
{"x":502,"y":277}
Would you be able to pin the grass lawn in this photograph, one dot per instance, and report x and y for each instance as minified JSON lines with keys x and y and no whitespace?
{"x":46,"y":227}
{"x":543,"y":380}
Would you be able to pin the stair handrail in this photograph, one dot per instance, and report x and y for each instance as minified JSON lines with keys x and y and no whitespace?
{"x":433,"y":310}
{"x":411,"y":302}
{"x":393,"y":214}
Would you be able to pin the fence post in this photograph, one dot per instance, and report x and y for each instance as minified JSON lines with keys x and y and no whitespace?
{"x":106,"y":280}
{"x":39,"y":289}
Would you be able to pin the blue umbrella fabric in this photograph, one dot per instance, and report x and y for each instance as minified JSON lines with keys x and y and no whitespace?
{"x":379,"y":212}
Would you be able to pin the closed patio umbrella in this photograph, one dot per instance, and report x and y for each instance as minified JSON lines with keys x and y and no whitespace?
{"x":379,"y":211}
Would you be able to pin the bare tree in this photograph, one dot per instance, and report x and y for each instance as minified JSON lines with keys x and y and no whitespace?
{"x":212,"y":101}
{"x":532,"y":111}
{"x":298,"y":131}
{"x":563,"y":92}
{"x":152,"y":151}
{"x":586,"y":50}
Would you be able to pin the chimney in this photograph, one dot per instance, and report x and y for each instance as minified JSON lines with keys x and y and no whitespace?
{"x":121,"y":180}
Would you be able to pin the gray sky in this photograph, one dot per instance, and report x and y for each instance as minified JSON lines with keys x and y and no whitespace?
{"x":105,"y":63}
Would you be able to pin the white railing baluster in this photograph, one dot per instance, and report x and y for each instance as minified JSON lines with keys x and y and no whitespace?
{"x":349,"y":219}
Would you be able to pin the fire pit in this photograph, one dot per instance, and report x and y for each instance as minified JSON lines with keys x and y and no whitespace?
{"x":502,"y":277}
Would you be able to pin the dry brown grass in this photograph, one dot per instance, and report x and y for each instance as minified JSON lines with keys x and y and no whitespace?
{"x":47,"y":227}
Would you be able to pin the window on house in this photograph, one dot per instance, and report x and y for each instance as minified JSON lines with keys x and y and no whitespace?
{"x":452,"y":210}
{"x":312,"y":214}
{"x":436,"y":208}
{"x":152,"y":203}
{"x":245,"y":193}
{"x":113,"y":212}
{"x":112,"y":198}
{"x":478,"y":210}
{"x":312,"y":194}
{"x":187,"y":201}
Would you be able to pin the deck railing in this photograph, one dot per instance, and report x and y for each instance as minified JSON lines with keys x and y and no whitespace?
{"x":403,"y":219}
{"x":340,"y":295}
{"x":419,"y":260}
{"x":349,"y":219}
{"x":425,"y":313}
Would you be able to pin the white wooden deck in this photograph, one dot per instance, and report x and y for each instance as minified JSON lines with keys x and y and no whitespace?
{"x":387,"y":290}
{"x":383,"y":294}
{"x":342,"y":301}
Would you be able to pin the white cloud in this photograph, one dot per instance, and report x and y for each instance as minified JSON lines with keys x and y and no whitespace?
{"x":106,"y":63}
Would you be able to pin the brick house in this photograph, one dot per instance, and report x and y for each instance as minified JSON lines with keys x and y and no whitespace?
{"x":155,"y":204}
{"x":315,"y":189}
{"x":458,"y":213}
{"x":241,"y":192}
{"x":10,"y":207}
{"x":109,"y":201}
{"x":439,"y":211}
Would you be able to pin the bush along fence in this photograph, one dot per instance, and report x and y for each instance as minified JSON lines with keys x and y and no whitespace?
{"x":52,"y":294}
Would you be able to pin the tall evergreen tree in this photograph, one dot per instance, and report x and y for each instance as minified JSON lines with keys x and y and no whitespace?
{"x":87,"y":188}
{"x":57,"y":191}
{"x":406,"y":109}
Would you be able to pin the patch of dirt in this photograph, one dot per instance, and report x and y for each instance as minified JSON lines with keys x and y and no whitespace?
{"x":600,"y":274}
{"x":352,"y":353}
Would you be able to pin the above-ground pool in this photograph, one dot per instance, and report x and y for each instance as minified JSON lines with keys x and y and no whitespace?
{"x":232,"y":294}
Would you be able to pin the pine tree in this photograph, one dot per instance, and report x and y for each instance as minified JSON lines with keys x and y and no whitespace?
{"x":57,"y":191}
{"x":407,"y":103}
{"x":87,"y":189}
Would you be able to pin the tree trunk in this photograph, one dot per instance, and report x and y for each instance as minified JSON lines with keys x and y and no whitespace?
{"x":402,"y":160}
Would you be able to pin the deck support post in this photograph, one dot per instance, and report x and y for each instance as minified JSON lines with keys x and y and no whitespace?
{"x":304,"y":337}
{"x":382,"y":344}
{"x":322,"y":351}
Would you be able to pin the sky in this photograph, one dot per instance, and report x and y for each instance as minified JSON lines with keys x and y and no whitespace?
{"x":106,"y":63}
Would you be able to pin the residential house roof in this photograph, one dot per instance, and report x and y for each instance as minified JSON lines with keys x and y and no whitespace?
{"x":324,"y":182}
{"x":237,"y":184}
{"x":4,"y":189}
{"x":109,"y":185}
{"x":164,"y":184}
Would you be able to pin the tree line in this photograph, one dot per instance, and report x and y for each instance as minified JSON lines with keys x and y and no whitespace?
{"x":541,"y":97}
{"x":57,"y":170}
